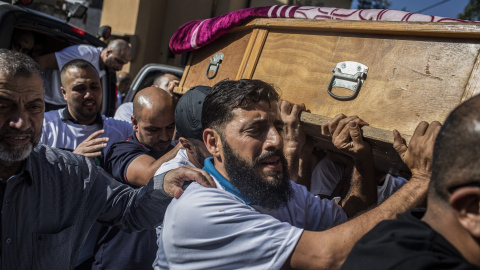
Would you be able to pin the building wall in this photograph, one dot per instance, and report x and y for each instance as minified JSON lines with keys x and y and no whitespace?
{"x":151,"y":23}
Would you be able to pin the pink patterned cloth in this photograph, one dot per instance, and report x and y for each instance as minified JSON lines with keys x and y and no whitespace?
{"x":196,"y":34}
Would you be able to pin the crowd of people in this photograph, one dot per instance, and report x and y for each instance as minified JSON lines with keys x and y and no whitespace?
{"x":223,"y":177}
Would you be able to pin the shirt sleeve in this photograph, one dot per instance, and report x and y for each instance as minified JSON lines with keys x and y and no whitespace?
{"x":390,"y":185}
{"x":309,"y":212}
{"x":115,"y":204}
{"x":209,"y":228}
{"x":119,"y":156}
{"x":84,"y":52}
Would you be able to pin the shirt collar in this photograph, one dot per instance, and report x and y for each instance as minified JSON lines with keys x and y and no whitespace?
{"x":150,"y":151}
{"x":227,"y":185}
{"x":65,"y":115}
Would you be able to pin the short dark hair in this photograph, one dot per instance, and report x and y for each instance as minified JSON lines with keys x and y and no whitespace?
{"x":76,"y":63}
{"x":15,"y":64}
{"x":228,"y":95}
{"x":456,"y":154}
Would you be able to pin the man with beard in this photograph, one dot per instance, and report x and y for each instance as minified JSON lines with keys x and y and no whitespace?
{"x":256,"y":217}
{"x":50,"y":198}
{"x":80,"y":127}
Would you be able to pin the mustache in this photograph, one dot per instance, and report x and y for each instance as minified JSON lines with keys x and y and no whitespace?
{"x":89,"y":100}
{"x":14,"y":131}
{"x":266,"y":155}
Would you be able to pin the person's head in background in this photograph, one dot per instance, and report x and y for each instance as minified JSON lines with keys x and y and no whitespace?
{"x":188,"y":123}
{"x":153,"y":118}
{"x":22,"y":41}
{"x":115,"y":55}
{"x":124,"y":80}
{"x":167,"y":82}
{"x":82,"y":89}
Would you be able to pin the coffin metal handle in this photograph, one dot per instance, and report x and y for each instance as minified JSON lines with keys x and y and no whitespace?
{"x":349,"y":75}
{"x":214,"y":65}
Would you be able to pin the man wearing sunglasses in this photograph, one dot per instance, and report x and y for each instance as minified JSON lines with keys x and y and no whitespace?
{"x":447,"y":234}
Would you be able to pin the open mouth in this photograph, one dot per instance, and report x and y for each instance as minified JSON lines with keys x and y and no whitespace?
{"x":17,"y":139}
{"x":89,"y":104}
{"x":271,"y":161}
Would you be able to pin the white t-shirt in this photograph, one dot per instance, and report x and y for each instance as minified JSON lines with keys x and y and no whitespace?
{"x":124,"y":112}
{"x":210,"y":228}
{"x":327,"y":174}
{"x":53,"y":94}
{"x":67,"y":135}
{"x":181,"y":159}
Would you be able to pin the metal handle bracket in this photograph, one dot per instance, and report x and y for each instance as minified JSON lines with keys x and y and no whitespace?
{"x":214,"y":65}
{"x":349,"y":75}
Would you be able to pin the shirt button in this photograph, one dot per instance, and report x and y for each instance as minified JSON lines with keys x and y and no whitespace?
{"x":7,"y":201}
{"x":9,"y":240}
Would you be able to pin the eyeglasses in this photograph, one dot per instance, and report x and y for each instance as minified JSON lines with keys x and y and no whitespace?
{"x":472,"y":184}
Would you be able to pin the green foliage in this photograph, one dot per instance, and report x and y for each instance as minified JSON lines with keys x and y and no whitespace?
{"x":375,"y":4}
{"x":471,"y":11}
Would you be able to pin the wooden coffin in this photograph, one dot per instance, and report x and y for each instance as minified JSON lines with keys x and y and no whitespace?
{"x":417,"y":71}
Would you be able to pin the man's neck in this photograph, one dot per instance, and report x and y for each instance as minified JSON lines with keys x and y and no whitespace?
{"x":445,"y":223}
{"x":71,"y":116}
{"x":193,"y":160}
{"x":8,"y":169}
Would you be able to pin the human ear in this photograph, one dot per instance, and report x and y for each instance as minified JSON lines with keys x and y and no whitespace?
{"x":212,"y":142}
{"x":64,"y":92}
{"x":465,"y":202}
{"x":134,"y":123}
{"x":186,"y":144}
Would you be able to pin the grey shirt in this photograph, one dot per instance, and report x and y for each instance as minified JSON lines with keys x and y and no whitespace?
{"x":49,"y":207}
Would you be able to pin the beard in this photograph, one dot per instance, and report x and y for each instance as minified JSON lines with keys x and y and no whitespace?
{"x":15,"y":153}
{"x":267,"y":194}
{"x":81,"y":114}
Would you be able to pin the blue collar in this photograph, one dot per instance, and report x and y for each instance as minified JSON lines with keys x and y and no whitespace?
{"x":223,"y":182}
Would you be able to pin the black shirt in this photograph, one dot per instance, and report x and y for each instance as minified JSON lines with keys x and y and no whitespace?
{"x":405,"y":243}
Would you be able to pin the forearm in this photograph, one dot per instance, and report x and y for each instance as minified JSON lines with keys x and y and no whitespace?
{"x":363,"y":190}
{"x":143,"y":168}
{"x":304,"y":171}
{"x":292,"y":155}
{"x":129,"y":209}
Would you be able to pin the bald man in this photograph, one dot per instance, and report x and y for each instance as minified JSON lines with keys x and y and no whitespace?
{"x":135,"y":160}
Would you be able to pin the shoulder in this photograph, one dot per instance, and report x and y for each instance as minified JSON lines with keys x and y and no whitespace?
{"x":84,"y":49}
{"x":109,"y":121}
{"x":392,"y":243}
{"x":181,"y":159}
{"x":124,"y":112}
{"x":52,"y":116}
{"x":113,"y":125}
{"x":125,"y":147}
{"x":68,"y":49}
{"x":197,"y":200}
{"x":221,"y":223}
{"x":60,"y":159}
